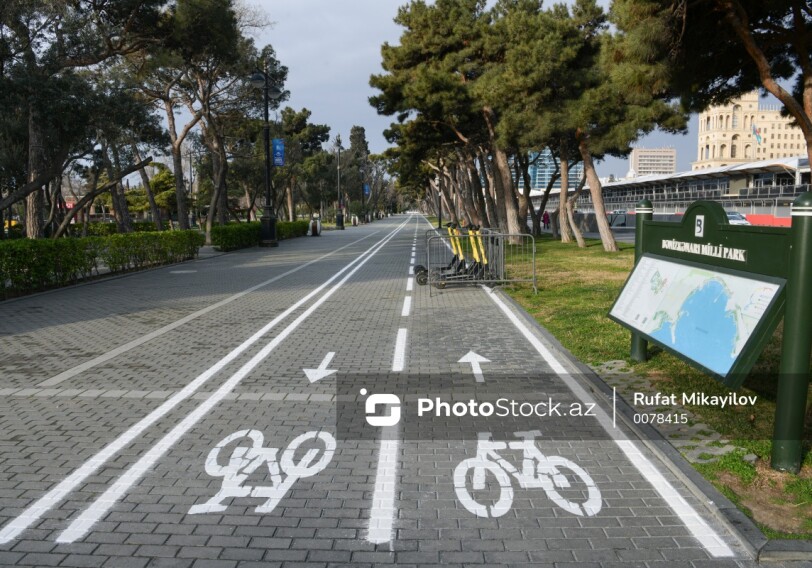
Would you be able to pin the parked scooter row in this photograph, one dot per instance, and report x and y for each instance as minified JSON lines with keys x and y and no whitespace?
{"x":468,"y":263}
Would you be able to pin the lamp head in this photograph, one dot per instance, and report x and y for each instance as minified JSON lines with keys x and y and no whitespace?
{"x":274,"y":93}
{"x":258,"y":80}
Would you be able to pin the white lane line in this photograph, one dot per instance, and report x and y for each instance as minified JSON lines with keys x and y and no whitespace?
{"x":409,"y":284}
{"x":82,"y":525}
{"x":382,"y":514}
{"x":399,"y":360}
{"x":700,"y":529}
{"x":407,"y":306}
{"x":35,"y":511}
{"x":70,"y":373}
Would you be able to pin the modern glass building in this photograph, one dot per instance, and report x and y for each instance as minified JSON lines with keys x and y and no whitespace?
{"x":543,"y":168}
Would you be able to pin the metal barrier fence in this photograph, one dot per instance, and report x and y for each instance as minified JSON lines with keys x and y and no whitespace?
{"x":468,"y":256}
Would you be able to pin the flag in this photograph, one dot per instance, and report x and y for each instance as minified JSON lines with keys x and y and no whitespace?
{"x":757,"y":133}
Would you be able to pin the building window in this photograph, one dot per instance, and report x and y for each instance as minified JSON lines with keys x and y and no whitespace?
{"x":736,"y":112}
{"x":748,"y":151}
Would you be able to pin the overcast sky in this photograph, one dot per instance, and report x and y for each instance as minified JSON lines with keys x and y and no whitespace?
{"x":331,"y":48}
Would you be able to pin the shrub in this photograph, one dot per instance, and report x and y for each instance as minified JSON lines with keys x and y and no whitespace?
{"x":235,"y":236}
{"x":27,"y":266}
{"x":291,"y":229}
{"x":243,"y":235}
{"x":101,"y":229}
{"x":145,"y":226}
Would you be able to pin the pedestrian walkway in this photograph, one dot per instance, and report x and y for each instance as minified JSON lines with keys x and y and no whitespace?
{"x":310,"y":405}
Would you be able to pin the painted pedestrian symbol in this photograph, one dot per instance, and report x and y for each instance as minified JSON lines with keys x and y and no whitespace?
{"x":554,"y":474}
{"x":245,"y":460}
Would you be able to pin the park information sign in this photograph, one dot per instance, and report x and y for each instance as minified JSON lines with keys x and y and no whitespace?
{"x":700,"y":313}
{"x":713,"y":293}
{"x":710,"y":292}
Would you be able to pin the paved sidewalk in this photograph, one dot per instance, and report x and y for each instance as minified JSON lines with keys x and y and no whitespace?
{"x":239,"y":410}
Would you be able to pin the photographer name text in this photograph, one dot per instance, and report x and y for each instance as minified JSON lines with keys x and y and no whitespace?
{"x":694,"y":399}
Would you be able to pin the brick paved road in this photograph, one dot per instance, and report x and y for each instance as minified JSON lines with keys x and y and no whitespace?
{"x":165,"y":419}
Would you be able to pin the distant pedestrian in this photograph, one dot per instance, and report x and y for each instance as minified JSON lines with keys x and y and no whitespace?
{"x":545,"y":219}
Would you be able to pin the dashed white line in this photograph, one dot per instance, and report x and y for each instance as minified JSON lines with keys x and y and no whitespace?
{"x":407,"y":306}
{"x":700,"y":529}
{"x":382,"y":514}
{"x":409,"y":284}
{"x":399,"y":360}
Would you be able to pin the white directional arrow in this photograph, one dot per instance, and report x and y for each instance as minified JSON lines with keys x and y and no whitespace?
{"x":475,"y":360}
{"x":318,"y":374}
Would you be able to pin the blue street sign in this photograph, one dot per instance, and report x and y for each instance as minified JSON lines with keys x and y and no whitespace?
{"x":278,"y":152}
{"x":366,"y":190}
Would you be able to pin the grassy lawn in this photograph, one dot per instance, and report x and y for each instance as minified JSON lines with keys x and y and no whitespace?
{"x":576,"y":290}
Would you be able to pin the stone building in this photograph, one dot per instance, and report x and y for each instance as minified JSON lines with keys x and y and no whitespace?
{"x":745,"y":130}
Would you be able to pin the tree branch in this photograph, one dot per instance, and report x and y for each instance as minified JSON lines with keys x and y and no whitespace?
{"x":88,"y":197}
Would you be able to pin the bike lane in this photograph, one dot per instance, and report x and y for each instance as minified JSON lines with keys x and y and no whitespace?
{"x":401,"y":493}
{"x":258,"y":477}
{"x":50,"y":434}
{"x":585,"y":490}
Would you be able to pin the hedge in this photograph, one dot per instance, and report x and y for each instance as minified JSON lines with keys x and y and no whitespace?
{"x":102,"y":229}
{"x":28,"y":266}
{"x":243,"y":235}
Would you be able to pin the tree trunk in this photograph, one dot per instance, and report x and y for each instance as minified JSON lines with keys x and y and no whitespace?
{"x":446,"y":198}
{"x":484,"y":174}
{"x":503,"y":180}
{"x":563,"y":219}
{"x":596,"y":191}
{"x":153,"y":207}
{"x":123,"y":219}
{"x":289,"y":199}
{"x":467,"y":190}
{"x":525,"y":204}
{"x":177,"y":159}
{"x":36,"y":150}
{"x":477,"y":191}
{"x":579,"y":236}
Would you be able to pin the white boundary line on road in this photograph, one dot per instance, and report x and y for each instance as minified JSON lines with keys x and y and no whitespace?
{"x":72,"y":372}
{"x":35,"y":511}
{"x":700,"y":529}
{"x":82,"y":525}
{"x":399,"y":360}
{"x":382,"y":514}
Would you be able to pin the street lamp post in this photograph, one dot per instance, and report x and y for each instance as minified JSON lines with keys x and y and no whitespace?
{"x":339,"y":209}
{"x":260,"y":80}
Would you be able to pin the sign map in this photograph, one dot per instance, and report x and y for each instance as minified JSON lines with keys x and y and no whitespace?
{"x":702,"y":314}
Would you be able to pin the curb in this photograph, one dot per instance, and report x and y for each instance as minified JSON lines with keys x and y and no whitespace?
{"x":740,"y":525}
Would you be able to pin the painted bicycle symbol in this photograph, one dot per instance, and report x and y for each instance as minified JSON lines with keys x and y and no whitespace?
{"x":244,"y":461}
{"x":537,"y":472}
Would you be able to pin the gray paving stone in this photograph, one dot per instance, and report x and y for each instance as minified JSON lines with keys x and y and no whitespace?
{"x":323,"y":519}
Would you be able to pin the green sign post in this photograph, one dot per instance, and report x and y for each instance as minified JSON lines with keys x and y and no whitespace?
{"x":643,"y":212}
{"x":713,"y":293}
{"x":793,"y":381}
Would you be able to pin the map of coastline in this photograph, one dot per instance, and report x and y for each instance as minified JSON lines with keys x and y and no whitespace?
{"x":707,"y":316}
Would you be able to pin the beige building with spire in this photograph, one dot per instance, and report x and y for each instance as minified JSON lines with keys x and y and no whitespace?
{"x":745,"y":131}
